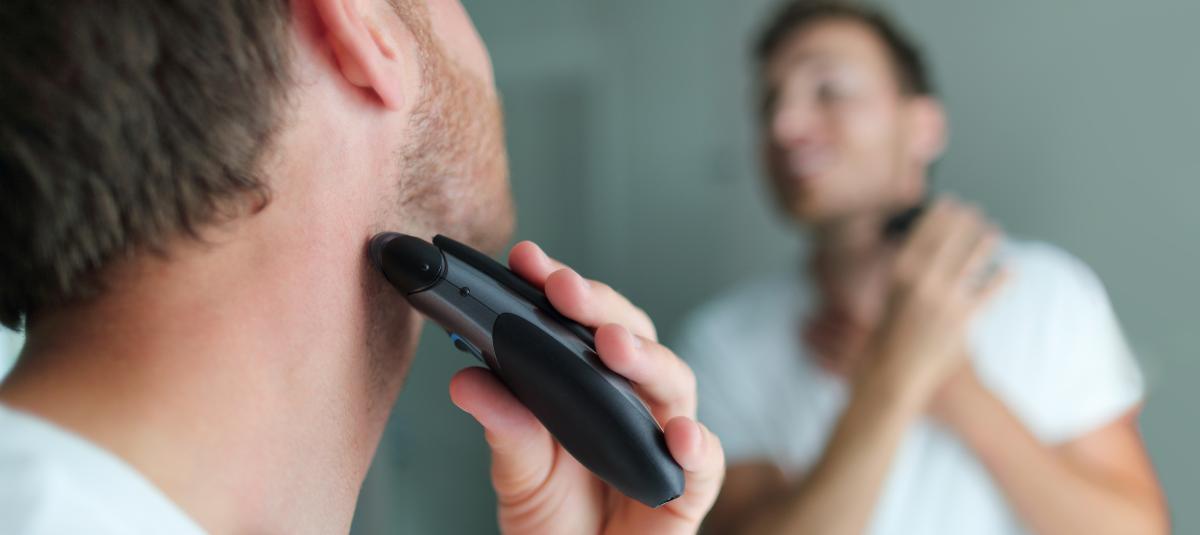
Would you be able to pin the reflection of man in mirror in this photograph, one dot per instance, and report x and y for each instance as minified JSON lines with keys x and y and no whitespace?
{"x":901,"y":382}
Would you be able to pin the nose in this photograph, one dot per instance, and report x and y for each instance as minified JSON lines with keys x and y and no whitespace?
{"x":793,"y":124}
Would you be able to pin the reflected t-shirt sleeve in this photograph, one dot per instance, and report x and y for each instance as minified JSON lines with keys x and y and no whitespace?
{"x":1099,"y":374}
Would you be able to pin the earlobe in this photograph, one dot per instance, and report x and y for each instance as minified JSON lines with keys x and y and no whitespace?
{"x":366,"y":57}
{"x":930,"y":128}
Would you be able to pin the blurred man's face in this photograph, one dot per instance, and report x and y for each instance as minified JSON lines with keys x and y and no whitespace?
{"x":836,"y":132}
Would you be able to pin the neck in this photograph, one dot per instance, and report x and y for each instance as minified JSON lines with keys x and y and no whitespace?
{"x":843,"y":247}
{"x":239,"y":378}
{"x":849,"y":268}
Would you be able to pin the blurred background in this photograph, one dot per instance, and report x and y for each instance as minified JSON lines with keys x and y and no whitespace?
{"x":633,"y":158}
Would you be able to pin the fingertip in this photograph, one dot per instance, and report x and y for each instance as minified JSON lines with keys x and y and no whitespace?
{"x":529,"y":261}
{"x":478,"y":392}
{"x":684,"y":440}
{"x":464,"y":386}
{"x":617,"y":346}
{"x":529,"y":250}
{"x":526,"y":245}
{"x":567,"y":291}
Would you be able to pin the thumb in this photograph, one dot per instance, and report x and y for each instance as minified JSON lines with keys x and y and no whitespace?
{"x":522,"y":448}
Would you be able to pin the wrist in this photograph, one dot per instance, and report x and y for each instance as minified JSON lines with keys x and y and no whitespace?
{"x":956,"y":399}
{"x":907,"y":373}
{"x":894,"y":387}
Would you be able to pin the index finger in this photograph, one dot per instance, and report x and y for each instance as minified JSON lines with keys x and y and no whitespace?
{"x":588,"y":302}
{"x":529,"y":262}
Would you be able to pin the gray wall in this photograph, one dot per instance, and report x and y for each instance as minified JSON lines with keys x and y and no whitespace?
{"x":1074,"y":122}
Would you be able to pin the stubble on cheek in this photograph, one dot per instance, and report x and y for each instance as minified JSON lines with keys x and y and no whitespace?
{"x":453,"y":176}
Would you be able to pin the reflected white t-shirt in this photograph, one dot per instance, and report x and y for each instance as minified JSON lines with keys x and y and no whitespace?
{"x":53,"y":482}
{"x":1048,"y":345}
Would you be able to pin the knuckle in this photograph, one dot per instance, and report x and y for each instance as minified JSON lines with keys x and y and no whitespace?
{"x":688,"y":378}
{"x":641,"y":313}
{"x":651,"y":330}
{"x":715,"y":441}
{"x":602,"y":287}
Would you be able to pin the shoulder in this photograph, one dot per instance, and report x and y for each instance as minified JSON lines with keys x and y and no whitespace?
{"x":1048,"y":270}
{"x":1051,"y":346}
{"x":1043,"y":262}
{"x":1046,"y":284}
{"x":1049,"y":292}
{"x":36,"y":492}
{"x":52,"y":481}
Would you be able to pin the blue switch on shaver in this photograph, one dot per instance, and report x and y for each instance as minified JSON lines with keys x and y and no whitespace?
{"x":466,"y":347}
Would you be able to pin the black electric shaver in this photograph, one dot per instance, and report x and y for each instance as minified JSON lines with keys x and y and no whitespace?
{"x":548,"y":361}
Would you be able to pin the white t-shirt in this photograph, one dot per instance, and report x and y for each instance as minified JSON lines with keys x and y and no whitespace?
{"x":1048,"y":345}
{"x":53,"y":482}
{"x":10,"y":347}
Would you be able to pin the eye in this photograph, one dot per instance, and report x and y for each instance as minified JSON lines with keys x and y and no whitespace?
{"x":830,"y":91}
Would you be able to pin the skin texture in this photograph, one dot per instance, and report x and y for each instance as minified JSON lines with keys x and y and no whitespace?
{"x":220,"y":367}
{"x":844,"y":150}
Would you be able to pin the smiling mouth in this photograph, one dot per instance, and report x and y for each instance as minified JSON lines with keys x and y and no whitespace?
{"x":804,"y":167}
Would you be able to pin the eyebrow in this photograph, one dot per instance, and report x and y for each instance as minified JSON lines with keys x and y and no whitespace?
{"x":818,"y":58}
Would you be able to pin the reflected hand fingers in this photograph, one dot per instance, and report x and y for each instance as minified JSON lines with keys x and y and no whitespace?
{"x":981,"y":252}
{"x":990,"y":288}
{"x":964,"y":228}
{"x":926,"y":234}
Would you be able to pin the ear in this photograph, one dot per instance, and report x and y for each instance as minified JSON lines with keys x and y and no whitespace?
{"x":366,"y":54}
{"x":929,"y":129}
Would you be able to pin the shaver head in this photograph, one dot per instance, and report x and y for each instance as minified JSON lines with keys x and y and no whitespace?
{"x":409,"y":263}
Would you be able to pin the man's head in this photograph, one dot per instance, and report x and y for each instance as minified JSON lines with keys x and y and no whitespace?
{"x":142,"y":129}
{"x":850,"y":123}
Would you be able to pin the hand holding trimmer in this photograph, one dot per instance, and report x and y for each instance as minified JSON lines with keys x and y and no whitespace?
{"x":548,"y":361}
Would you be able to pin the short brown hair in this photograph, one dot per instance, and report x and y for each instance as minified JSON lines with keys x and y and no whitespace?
{"x":122,"y":124}
{"x":911,"y":72}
